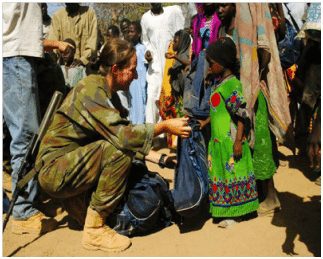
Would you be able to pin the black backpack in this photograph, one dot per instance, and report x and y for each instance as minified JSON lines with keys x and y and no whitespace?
{"x":146,"y":206}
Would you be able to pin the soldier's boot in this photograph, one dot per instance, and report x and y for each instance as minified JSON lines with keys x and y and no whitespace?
{"x":98,"y":236}
{"x":36,"y":224}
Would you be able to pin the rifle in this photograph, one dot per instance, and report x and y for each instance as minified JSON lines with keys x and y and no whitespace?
{"x":26,"y":171}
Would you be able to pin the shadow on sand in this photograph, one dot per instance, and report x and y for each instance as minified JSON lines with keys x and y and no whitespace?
{"x":300,"y":218}
{"x":301,"y":163}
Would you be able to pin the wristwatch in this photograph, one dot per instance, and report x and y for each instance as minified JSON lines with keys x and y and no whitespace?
{"x":161,"y":161}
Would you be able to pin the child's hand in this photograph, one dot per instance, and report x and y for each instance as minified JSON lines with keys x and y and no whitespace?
{"x":148,"y":56}
{"x":237,"y":150}
{"x":203,"y":123}
{"x":76,"y":63}
{"x":169,"y":55}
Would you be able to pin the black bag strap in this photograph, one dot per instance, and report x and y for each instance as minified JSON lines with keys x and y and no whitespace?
{"x":292,"y":18}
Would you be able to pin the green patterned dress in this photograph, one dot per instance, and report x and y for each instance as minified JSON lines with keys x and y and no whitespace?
{"x":232,"y":186}
{"x":263,"y":162}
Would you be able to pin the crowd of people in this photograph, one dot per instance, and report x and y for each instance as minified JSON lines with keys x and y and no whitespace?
{"x":261,"y":86}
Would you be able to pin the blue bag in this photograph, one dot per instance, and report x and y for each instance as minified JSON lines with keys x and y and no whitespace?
{"x":196,"y":94}
{"x":146,"y":206}
{"x":191,"y":174}
{"x":289,"y":47}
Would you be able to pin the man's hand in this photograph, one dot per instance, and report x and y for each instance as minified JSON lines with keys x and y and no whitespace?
{"x":148,"y":56}
{"x":64,"y":47}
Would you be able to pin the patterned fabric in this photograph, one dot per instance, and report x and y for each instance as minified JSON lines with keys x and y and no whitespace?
{"x":170,"y":105}
{"x":234,"y":192}
{"x":254,"y":30}
{"x":313,"y":19}
{"x":234,"y":102}
{"x":312,"y":27}
{"x":89,"y":142}
{"x":263,"y":162}
{"x":87,"y":114}
{"x":98,"y":164}
{"x":231,"y":183}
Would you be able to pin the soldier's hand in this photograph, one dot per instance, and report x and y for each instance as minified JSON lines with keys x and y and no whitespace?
{"x":178,"y":126}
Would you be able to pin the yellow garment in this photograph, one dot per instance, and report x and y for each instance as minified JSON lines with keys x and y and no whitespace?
{"x":166,"y":100}
{"x":166,"y":86}
{"x":82,"y":28}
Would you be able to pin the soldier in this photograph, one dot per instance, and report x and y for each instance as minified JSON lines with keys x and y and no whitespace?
{"x":89,"y":146}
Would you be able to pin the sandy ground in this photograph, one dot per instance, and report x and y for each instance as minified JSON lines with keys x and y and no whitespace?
{"x":295,"y":230}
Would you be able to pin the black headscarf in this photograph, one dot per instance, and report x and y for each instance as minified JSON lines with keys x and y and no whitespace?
{"x":224,"y":52}
{"x":176,"y":71}
{"x":184,"y":39}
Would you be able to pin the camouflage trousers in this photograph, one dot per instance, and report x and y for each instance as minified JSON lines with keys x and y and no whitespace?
{"x":97,"y":167}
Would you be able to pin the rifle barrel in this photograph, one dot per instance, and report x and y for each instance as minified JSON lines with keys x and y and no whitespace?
{"x":55,"y":102}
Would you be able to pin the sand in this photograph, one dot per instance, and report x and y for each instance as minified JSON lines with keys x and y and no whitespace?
{"x":295,"y":230}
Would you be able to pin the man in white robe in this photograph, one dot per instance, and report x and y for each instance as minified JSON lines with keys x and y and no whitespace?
{"x":159,"y":25}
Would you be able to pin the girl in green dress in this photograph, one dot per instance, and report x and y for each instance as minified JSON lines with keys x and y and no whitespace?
{"x":232,"y":185}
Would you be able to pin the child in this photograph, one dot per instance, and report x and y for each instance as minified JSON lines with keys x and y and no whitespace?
{"x":138,"y":87}
{"x":232,"y":185}
{"x":112,"y":32}
{"x":72,"y":74}
{"x":177,"y":62}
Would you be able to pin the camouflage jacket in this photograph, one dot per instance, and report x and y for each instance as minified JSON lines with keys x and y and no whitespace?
{"x":88,"y":114}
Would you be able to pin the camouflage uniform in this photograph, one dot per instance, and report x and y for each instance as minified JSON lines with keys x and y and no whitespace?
{"x":89,"y":145}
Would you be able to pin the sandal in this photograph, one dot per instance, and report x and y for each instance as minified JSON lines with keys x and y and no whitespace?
{"x":227,"y":223}
{"x":263,"y":211}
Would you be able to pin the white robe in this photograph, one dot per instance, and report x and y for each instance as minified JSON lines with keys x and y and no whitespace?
{"x":157,"y":32}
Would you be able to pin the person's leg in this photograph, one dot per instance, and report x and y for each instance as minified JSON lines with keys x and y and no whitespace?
{"x":21,"y":114}
{"x":98,"y":166}
{"x":271,"y":202}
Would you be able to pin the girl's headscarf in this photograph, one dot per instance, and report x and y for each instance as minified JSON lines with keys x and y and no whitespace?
{"x":184,"y":41}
